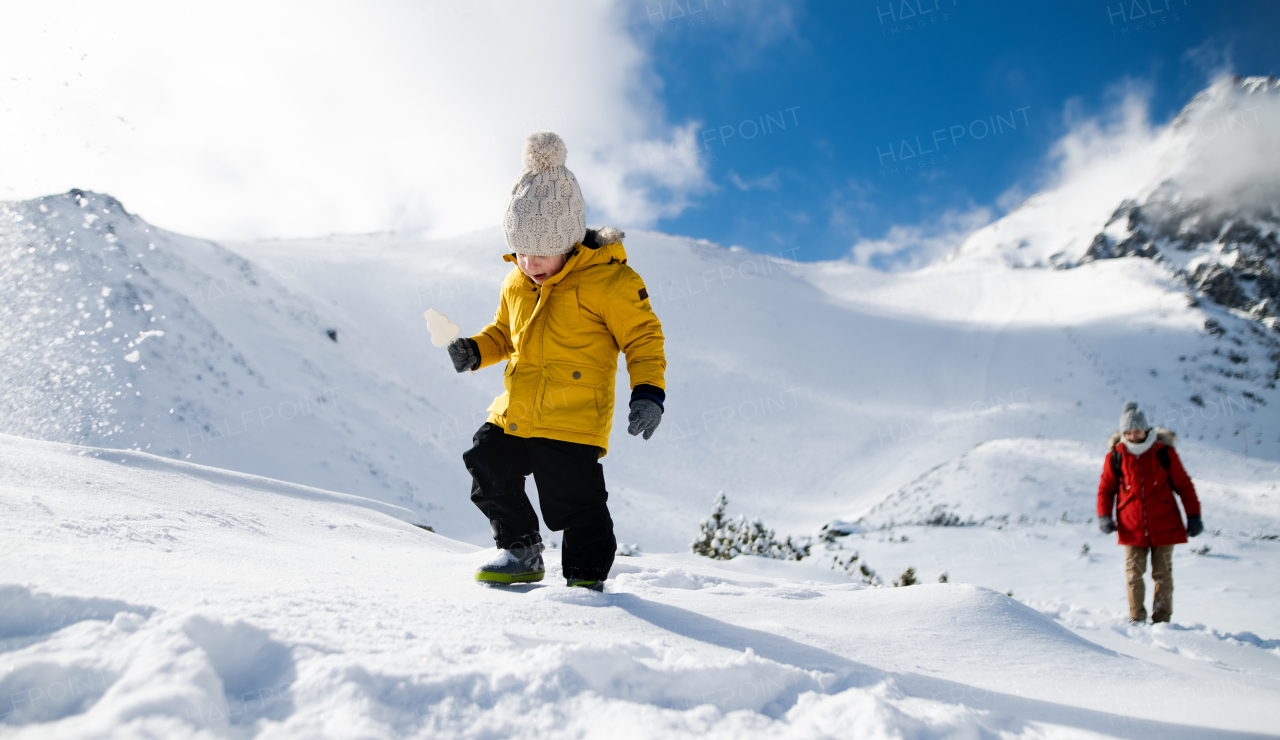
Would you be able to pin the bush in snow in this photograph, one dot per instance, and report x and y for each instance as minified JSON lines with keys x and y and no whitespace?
{"x":940,"y":517}
{"x":831,"y":532}
{"x":852,"y":568}
{"x":721,"y":538}
{"x":627,"y":551}
{"x":908,"y":577}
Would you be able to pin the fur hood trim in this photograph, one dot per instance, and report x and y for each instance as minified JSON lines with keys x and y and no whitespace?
{"x":1163,"y":436}
{"x":602,"y":237}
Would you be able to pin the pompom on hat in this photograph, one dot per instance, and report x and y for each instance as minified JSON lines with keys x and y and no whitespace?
{"x":1132,"y":418}
{"x":546,"y":215}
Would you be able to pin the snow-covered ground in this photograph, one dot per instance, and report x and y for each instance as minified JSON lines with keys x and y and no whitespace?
{"x":145,"y":597}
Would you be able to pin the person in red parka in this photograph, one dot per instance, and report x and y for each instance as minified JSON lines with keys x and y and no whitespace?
{"x":1143,"y":468}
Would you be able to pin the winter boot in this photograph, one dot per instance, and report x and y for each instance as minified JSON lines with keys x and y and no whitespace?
{"x":593,"y":585}
{"x":521,"y":564}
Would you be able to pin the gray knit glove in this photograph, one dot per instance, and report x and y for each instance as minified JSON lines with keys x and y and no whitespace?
{"x":464,"y":353}
{"x":645,"y":417}
{"x":1106,"y":524}
{"x":1195,"y":525}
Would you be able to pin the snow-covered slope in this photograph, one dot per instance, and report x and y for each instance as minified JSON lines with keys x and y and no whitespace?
{"x":1047,"y":480}
{"x":811,"y":390}
{"x":124,"y":335}
{"x":1018,"y":514}
{"x":145,"y":597}
{"x":805,"y":391}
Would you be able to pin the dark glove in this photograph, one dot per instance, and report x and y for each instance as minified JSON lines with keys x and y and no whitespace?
{"x":464,"y":353}
{"x":1106,"y":524}
{"x":644,"y":417}
{"x":1194,"y":525}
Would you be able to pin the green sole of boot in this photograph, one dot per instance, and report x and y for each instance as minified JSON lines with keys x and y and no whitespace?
{"x":596,"y":586}
{"x":530,"y":577}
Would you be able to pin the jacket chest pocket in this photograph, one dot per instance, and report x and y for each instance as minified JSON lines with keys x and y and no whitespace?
{"x":566,"y":307}
{"x":523,"y":302}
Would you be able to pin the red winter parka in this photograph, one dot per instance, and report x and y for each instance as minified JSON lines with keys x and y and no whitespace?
{"x":1146,"y":514}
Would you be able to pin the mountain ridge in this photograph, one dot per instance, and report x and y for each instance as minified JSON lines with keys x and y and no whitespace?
{"x":1218,"y":230}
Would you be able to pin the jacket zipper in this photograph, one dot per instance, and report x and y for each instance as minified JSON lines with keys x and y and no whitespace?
{"x":1146,"y":530}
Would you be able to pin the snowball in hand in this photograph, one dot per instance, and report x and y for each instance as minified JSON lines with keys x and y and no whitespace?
{"x":442,"y":329}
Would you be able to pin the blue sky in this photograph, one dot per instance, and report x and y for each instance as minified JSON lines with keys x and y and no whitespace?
{"x":778,"y":125}
{"x":853,"y":80}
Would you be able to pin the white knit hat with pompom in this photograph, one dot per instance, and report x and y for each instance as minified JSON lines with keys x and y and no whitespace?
{"x":546,"y":215}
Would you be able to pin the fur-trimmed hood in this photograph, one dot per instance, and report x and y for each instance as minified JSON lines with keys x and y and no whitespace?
{"x":602,"y":237}
{"x":1163,"y":436}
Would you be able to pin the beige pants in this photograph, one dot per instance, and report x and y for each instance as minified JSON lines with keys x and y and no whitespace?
{"x":1135,"y":565}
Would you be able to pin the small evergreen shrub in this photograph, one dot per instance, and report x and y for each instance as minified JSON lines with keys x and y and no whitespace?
{"x":940,"y":517}
{"x":722,"y":538}
{"x":850,"y":566}
{"x":908,"y":577}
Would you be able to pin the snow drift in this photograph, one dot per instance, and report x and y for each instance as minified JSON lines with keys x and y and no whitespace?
{"x":252,"y":608}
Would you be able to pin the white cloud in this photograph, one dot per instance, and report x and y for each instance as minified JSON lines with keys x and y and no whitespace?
{"x":1221,"y":146}
{"x":1231,"y":133}
{"x":242,"y":119}
{"x":743,"y":30}
{"x":768,"y":182}
{"x":1099,"y":161}
{"x":1105,"y":153}
{"x":914,"y":246}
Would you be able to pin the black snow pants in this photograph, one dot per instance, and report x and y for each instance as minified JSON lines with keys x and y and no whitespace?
{"x":571,"y":492}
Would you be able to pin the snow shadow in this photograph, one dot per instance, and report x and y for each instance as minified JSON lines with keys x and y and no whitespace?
{"x":45,"y":691}
{"x":857,"y":675}
{"x":722,"y":634}
{"x":1020,"y":713}
{"x":1251,"y":639}
{"x":257,"y":672}
{"x":26,"y":615}
{"x":221,"y":477}
{"x":48,"y":691}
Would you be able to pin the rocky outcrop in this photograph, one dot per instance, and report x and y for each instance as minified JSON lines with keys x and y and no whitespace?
{"x":1232,"y":258}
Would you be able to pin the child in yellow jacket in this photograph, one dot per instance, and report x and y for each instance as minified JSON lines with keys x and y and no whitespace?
{"x":568,"y":307}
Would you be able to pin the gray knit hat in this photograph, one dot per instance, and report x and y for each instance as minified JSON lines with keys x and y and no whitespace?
{"x":546,"y":215}
{"x":1132,"y":418}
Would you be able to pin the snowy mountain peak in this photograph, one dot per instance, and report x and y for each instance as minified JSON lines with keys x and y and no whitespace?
{"x":1226,"y":96}
{"x":1201,"y":195}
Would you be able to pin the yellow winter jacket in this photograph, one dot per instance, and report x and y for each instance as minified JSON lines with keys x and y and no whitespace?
{"x":561,"y":343}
